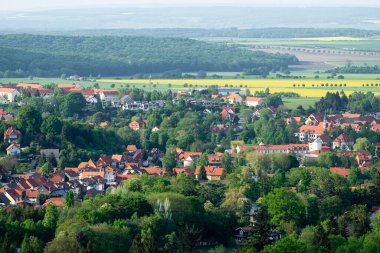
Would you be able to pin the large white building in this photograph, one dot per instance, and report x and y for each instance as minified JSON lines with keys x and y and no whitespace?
{"x":9,"y":94}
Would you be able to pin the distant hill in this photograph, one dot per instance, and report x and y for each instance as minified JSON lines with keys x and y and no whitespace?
{"x":114,"y":55}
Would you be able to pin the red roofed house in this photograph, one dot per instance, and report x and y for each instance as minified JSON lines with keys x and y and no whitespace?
{"x":136,"y":125}
{"x":310,"y":132}
{"x":228,"y":113}
{"x":375,"y":127}
{"x":57,"y":201}
{"x":29,"y":85}
{"x":213,"y":174}
{"x":254,"y":101}
{"x":12,"y":135}
{"x":344,"y":172}
{"x":234,"y":99}
{"x":287,"y":148}
{"x":343,"y":141}
{"x":131,"y":148}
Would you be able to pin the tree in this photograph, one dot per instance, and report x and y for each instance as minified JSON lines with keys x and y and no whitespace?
{"x":261,"y":230}
{"x":73,"y":103}
{"x":51,"y":217}
{"x":70,"y":199}
{"x":226,"y":163}
{"x":6,"y":244}
{"x":202,"y":175}
{"x":47,"y":170}
{"x":362,"y":144}
{"x":31,"y":244}
{"x":29,"y":121}
{"x":170,"y":160}
{"x":202,"y":160}
{"x":289,"y":244}
{"x":359,"y":221}
{"x":285,"y":206}
{"x":51,"y":125}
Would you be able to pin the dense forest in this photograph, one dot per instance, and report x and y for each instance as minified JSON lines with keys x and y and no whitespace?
{"x":112,"y":55}
{"x":349,"y":69}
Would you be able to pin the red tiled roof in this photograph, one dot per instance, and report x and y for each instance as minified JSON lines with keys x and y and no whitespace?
{"x":58,"y":201}
{"x":210,"y":171}
{"x":344,"y":172}
{"x":343,"y":138}
{"x":253,"y":99}
{"x":131,"y":148}
{"x":30,"y":85}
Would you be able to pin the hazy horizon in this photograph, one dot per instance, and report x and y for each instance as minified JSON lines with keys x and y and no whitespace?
{"x":23,"y":5}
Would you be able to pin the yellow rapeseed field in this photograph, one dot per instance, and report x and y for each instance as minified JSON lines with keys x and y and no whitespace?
{"x":306,"y":88}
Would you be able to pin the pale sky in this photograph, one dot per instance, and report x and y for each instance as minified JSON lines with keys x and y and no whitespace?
{"x":56,"y":4}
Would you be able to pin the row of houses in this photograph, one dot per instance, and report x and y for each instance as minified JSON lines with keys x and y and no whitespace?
{"x":317,"y":124}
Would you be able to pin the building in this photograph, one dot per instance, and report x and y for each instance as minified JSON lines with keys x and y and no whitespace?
{"x":343,"y":141}
{"x":136,"y":125}
{"x":298,"y":149}
{"x":253,"y":101}
{"x":12,"y":135}
{"x":226,"y":91}
{"x":14,"y":150}
{"x":9,"y":94}
{"x":228,"y":113}
{"x":109,"y":98}
{"x":234,"y":99}
{"x":212,"y":173}
{"x":344,"y":172}
{"x":308,"y":133}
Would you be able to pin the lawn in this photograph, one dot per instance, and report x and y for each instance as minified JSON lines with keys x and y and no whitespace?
{"x":293,"y":103}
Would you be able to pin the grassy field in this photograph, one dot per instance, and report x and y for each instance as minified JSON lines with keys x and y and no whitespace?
{"x":293,"y":103}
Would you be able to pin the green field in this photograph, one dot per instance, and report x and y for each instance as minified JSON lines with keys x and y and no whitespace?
{"x":293,"y":103}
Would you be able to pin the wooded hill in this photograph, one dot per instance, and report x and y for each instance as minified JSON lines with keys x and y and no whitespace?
{"x":48,"y":56}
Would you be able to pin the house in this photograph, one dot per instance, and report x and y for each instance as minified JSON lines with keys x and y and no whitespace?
{"x":155,"y":129}
{"x":242,"y":234}
{"x":228,"y":113}
{"x":344,"y":172}
{"x":50,"y":153}
{"x":311,"y":132}
{"x":9,"y":94}
{"x":375,"y":127}
{"x":234,"y":99}
{"x":109,"y":97}
{"x":212,"y":173}
{"x":5,"y":116}
{"x":12,"y":135}
{"x":136,"y":125}
{"x":14,"y":150}
{"x":254,"y":101}
{"x":131,"y":148}
{"x":109,"y":175}
{"x":69,"y":86}
{"x":56,"y":201}
{"x":343,"y":141}
{"x":226,"y":91}
{"x":71,"y":175}
{"x":28,"y":85}
{"x":13,"y":196}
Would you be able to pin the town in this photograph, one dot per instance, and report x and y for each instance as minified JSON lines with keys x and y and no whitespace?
{"x":222,"y":133}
